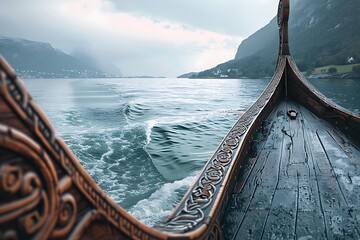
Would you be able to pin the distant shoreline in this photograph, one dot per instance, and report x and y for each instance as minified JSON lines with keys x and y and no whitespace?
{"x":32,"y":77}
{"x":334,"y":76}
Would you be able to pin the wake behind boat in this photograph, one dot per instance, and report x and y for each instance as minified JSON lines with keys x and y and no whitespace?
{"x":288,"y":168}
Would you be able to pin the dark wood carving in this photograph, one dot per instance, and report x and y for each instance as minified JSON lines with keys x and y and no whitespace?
{"x":46,"y":194}
{"x":34,"y":200}
{"x":283,"y":18}
{"x":208,"y":193}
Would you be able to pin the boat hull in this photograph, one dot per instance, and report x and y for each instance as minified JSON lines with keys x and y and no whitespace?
{"x":47,"y":194}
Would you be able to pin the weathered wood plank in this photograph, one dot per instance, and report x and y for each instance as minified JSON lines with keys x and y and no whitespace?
{"x":305,"y":230}
{"x":252,"y":227}
{"x":333,"y":199}
{"x":301,"y":185}
{"x":280,"y":223}
{"x":252,"y":182}
{"x":345,"y":167}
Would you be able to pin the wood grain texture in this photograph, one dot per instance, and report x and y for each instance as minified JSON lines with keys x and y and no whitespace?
{"x":303,"y":182}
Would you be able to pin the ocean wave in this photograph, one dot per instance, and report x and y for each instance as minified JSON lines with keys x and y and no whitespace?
{"x":152,"y":210}
{"x":118,"y":161}
{"x":199,"y":116}
{"x":139,"y":130}
{"x":139,"y":140}
{"x":149,"y":126}
{"x":178,"y":149}
{"x":134,"y":110}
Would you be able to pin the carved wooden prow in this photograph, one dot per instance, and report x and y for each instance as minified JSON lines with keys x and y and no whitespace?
{"x":283,"y":18}
{"x":45,"y":193}
{"x":297,"y":87}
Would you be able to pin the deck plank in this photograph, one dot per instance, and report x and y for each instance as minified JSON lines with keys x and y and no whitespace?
{"x":282,"y":219}
{"x":256,"y":189}
{"x":304,"y":183}
{"x":337,"y":202}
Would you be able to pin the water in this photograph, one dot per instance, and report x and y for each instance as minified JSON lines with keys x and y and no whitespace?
{"x":144,"y":140}
{"x":345,"y":92}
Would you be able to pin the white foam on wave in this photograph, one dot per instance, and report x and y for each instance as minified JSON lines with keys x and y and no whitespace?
{"x":149,"y":126}
{"x":160,"y":204}
{"x":109,"y":152}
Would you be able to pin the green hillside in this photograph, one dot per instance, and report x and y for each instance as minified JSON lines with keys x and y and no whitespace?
{"x":322,"y":33}
{"x":340,"y":69}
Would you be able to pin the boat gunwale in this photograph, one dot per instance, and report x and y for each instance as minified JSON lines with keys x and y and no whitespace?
{"x":15,"y":94}
{"x":20,"y":101}
{"x":250,"y":121}
{"x":345,"y":120}
{"x":325,"y":100}
{"x":210,"y":192}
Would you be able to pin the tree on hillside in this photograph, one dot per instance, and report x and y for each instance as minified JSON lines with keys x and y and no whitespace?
{"x":332,"y":70}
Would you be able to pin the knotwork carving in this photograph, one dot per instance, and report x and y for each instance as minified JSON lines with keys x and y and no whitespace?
{"x":49,"y":210}
{"x":196,"y":206}
{"x":33,"y":121}
{"x":10,"y":178}
{"x":32,"y":200}
{"x":31,"y":208}
{"x":202,"y":195}
{"x":66,"y":217}
{"x":216,"y":232}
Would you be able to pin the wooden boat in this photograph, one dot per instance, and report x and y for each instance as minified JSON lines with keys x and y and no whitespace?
{"x":289,"y":168}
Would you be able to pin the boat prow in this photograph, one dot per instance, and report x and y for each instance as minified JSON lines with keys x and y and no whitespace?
{"x":288,"y":168}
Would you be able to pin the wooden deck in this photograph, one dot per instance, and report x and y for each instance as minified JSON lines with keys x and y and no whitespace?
{"x":303,"y":182}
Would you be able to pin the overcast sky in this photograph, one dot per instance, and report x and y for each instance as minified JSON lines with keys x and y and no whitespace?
{"x":141,"y":37}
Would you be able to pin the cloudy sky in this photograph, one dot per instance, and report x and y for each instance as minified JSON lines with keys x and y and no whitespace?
{"x":141,"y":37}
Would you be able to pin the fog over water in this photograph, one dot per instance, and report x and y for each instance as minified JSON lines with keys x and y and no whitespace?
{"x":145,"y":37}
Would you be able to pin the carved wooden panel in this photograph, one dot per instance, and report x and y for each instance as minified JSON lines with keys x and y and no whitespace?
{"x":34,"y":202}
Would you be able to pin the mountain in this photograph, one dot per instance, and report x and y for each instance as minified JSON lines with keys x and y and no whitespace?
{"x":188,"y":75}
{"x":321,"y":33}
{"x":40,"y":60}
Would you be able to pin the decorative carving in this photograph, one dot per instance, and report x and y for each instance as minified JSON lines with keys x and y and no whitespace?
{"x":15,"y":95}
{"x":31,"y":210}
{"x":192,"y":213}
{"x":66,"y":217}
{"x":10,"y":178}
{"x":60,"y":207}
{"x":216,"y":232}
{"x":28,"y":186}
{"x":84,"y":223}
{"x":31,"y":196}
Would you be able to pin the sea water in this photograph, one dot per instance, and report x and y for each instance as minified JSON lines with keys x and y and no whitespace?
{"x":144,"y":141}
